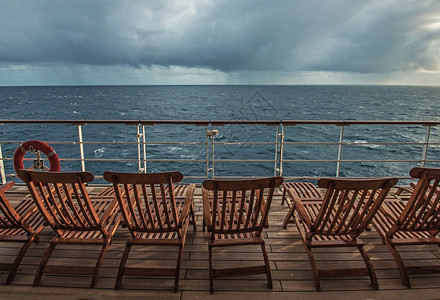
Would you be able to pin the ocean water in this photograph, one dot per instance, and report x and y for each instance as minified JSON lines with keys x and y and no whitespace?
{"x":226,"y":103}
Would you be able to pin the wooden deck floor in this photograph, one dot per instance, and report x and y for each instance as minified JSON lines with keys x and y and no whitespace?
{"x":290,"y":268}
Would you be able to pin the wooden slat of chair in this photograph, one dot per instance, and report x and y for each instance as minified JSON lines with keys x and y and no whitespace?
{"x":301,"y":190}
{"x":180,"y":191}
{"x":413,"y":222}
{"x":235,"y":213}
{"x":22,"y":223}
{"x":306,"y":190}
{"x":63,"y":200}
{"x":229,"y":200}
{"x":338,"y":219}
{"x":156,"y":213}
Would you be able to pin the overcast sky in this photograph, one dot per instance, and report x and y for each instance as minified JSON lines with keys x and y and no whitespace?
{"x":54,"y":42}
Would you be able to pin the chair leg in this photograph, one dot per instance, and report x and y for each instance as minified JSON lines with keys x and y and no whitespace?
{"x":314,"y":268}
{"x":179,"y":258}
{"x":193,"y":216}
{"x":288,"y":216}
{"x":17,"y":261}
{"x":99,"y":263}
{"x":371,"y":272}
{"x":211,"y":271}
{"x":266,"y":262}
{"x":43,"y":263}
{"x":283,"y":198}
{"x":122,"y":266}
{"x":400,"y":264}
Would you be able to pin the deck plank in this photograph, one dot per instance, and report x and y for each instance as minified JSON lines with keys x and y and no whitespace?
{"x":290,"y":267}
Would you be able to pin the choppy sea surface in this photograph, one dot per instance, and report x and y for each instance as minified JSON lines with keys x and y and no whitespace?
{"x":227,"y":103}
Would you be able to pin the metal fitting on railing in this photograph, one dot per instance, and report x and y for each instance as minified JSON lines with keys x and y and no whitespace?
{"x":212,"y":133}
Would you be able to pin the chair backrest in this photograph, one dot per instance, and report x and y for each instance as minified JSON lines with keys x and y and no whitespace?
{"x":349,"y":205}
{"x":147,"y":201}
{"x":239,"y":206}
{"x":63,"y":200}
{"x":422,"y":211}
{"x":9,"y":218}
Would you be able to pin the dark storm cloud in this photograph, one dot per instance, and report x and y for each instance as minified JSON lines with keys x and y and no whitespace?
{"x":228,"y":35}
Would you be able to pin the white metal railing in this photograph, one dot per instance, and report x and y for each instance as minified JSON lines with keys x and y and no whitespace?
{"x":275,"y":138}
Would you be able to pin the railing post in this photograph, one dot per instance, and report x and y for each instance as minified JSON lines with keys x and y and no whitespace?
{"x":207,"y":151}
{"x":426,"y":144}
{"x":138,"y":141}
{"x":275,"y":170}
{"x":212,"y":152}
{"x":281,"y":157}
{"x":2,"y":166}
{"x":341,"y":138}
{"x":81,"y":148}
{"x":144,"y":139}
{"x":210,"y":136}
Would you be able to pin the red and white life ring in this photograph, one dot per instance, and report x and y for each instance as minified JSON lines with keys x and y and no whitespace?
{"x":40,"y":146}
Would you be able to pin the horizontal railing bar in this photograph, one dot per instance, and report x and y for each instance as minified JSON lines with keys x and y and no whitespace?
{"x":287,"y":178}
{"x":232,"y":143}
{"x":100,"y":159}
{"x":123,"y":122}
{"x":49,"y":142}
{"x":117,"y":159}
{"x":359,"y":143}
{"x":244,"y":143}
{"x":111,"y":143}
{"x":79,"y":159}
{"x":228,"y":160}
{"x":182,"y":160}
{"x":73,"y":142}
{"x":128,"y":160}
{"x":174,"y":143}
{"x":353,"y":160}
{"x":225,"y":122}
{"x":235,"y":177}
{"x":358,"y":122}
{"x":105,"y":143}
{"x":112,"y":159}
{"x":243,"y":160}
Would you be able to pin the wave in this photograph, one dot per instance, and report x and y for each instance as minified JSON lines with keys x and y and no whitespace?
{"x":99,"y":152}
{"x":363,"y":143}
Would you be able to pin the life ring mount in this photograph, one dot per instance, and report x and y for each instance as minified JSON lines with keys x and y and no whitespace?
{"x":35,"y":146}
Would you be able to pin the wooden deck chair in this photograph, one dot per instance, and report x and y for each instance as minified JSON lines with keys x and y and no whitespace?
{"x":301,"y":191}
{"x":405,"y":192}
{"x":235,"y":213}
{"x":154,"y":215}
{"x":338,"y":219}
{"x":21,"y":223}
{"x":76,"y":218}
{"x":415,"y":222}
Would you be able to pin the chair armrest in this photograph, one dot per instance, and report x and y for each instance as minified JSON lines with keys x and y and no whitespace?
{"x":109,"y":211}
{"x":299,"y":206}
{"x":187,"y":204}
{"x":206,"y":209}
{"x":7,"y":186}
